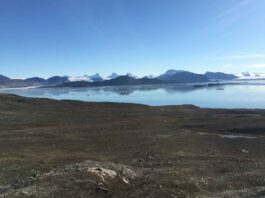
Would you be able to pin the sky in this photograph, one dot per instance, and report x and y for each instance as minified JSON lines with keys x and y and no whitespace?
{"x":81,"y":37}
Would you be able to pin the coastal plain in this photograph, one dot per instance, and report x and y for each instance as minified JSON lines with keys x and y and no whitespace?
{"x":63,"y":148}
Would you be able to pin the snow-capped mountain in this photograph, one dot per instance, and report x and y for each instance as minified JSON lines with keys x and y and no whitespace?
{"x":95,"y":77}
{"x":79,"y":78}
{"x":131,"y":75}
{"x":150,"y":76}
{"x":92,"y":78}
{"x":112,"y":76}
{"x":251,"y":75}
{"x":170,"y":76}
{"x":172,"y":72}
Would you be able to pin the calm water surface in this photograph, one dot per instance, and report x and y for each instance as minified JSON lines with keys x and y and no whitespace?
{"x":249,"y":95}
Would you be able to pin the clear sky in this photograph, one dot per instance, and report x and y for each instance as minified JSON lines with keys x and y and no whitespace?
{"x":77,"y":37}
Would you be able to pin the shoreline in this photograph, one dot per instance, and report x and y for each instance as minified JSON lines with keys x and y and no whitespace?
{"x":131,"y":103}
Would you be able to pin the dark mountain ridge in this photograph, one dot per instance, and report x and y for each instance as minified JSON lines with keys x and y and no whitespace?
{"x":219,"y":76}
{"x":4,"y":79}
{"x":179,"y":76}
{"x":34,"y":81}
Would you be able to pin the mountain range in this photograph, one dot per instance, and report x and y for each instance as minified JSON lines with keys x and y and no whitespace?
{"x":120,"y":80}
{"x":32,"y":82}
{"x":170,"y":76}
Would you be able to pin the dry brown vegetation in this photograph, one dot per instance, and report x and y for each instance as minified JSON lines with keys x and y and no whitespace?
{"x":54,"y":148}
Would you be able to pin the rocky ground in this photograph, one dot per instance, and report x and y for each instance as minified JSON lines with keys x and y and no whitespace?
{"x":54,"y":148}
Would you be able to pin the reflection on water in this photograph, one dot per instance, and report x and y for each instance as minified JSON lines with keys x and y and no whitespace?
{"x":246,"y":95}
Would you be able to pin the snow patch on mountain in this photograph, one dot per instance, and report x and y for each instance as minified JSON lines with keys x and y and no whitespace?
{"x":112,"y":76}
{"x":251,"y":75}
{"x":131,"y":75}
{"x":79,"y":78}
{"x":92,"y":78}
{"x":150,"y":76}
{"x":172,"y":72}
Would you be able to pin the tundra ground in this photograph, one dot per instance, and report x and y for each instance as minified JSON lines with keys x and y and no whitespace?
{"x":52,"y":148}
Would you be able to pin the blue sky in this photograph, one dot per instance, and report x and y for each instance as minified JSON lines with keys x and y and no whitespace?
{"x":76,"y":37}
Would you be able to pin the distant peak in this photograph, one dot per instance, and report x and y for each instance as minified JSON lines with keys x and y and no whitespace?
{"x":131,"y":75}
{"x":173,"y":71}
{"x":92,"y":78}
{"x":149,"y":76}
{"x":4,"y":77}
{"x":113,"y":76}
{"x":96,"y":75}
